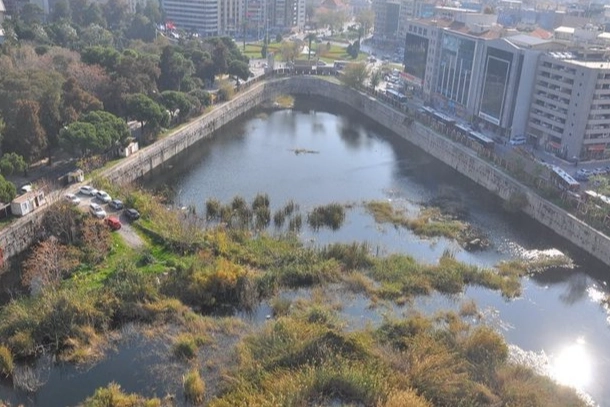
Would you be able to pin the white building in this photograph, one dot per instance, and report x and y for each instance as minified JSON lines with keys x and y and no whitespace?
{"x":200,"y":16}
{"x":570,"y":109}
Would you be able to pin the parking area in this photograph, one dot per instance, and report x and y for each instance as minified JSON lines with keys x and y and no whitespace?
{"x":88,"y":201}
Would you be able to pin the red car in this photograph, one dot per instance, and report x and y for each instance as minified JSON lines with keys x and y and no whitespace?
{"x":113,"y":222}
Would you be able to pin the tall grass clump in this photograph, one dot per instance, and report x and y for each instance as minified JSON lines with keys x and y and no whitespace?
{"x":262,"y":217}
{"x":406,"y":398}
{"x":331,"y":215}
{"x":295,"y":224}
{"x":6,"y":361}
{"x":185,"y":347}
{"x":352,"y":256}
{"x":194,"y":387}
{"x":279,"y":217}
{"x":290,"y":208}
{"x":113,"y":396}
{"x":260,"y":201}
{"x":212,"y":208}
{"x":239,"y":204}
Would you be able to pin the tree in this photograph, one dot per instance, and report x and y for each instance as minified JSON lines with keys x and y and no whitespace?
{"x":79,"y":138}
{"x":176,"y":102}
{"x":278,"y":38}
{"x":365,"y":19}
{"x":95,"y":133}
{"x":204,"y":98}
{"x":106,"y":57}
{"x":116,"y":13}
{"x":148,"y":112}
{"x":11,"y":163}
{"x":96,"y":35}
{"x":48,"y":264}
{"x":354,"y":74}
{"x":239,"y":69}
{"x":25,"y":135}
{"x":93,"y":15}
{"x":75,"y":101}
{"x":289,"y":50}
{"x":264,"y":51}
{"x":31,"y":14}
{"x":219,"y":57}
{"x":7,"y":190}
{"x":375,"y":79}
{"x":310,"y":38}
{"x":174,"y":69}
{"x":61,"y":11}
{"x":111,"y":129}
{"x":153,"y":12}
{"x":141,"y":28}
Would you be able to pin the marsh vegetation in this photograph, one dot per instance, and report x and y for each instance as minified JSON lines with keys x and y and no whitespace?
{"x":192,"y":266}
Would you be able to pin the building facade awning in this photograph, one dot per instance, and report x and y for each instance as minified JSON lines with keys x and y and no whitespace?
{"x":596,"y":147}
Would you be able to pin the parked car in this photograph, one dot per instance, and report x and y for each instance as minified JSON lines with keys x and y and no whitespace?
{"x":73,"y":199}
{"x":103,"y":196}
{"x":87,"y":190}
{"x":97,"y":211}
{"x":581,"y":177}
{"x":25,"y":188}
{"x":113,"y":222}
{"x":598,"y":171}
{"x":116,"y":204}
{"x":132,"y":214}
{"x":517,"y":141}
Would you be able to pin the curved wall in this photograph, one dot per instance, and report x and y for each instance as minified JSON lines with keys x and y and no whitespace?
{"x":22,"y":233}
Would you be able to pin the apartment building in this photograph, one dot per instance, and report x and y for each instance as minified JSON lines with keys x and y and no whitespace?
{"x":232,"y":17}
{"x":570,"y":108}
{"x":200,"y":16}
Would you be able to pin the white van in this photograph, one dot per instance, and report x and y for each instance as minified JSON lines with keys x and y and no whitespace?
{"x":517,"y":141}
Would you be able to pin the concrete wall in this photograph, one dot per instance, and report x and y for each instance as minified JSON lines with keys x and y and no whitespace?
{"x":466,"y":162}
{"x":22,"y":233}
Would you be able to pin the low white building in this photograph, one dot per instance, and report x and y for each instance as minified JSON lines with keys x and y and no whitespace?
{"x":28,"y":202}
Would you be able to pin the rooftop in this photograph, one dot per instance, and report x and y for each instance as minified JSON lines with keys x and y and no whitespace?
{"x":527,"y":41}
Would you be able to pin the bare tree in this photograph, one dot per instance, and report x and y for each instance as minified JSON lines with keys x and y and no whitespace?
{"x":48,"y":264}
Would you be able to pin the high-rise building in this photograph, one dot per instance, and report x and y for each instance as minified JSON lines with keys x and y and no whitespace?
{"x":232,"y":14}
{"x":200,"y":16}
{"x":570,"y":109}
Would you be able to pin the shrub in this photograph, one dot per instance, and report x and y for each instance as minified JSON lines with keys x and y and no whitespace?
{"x":262,"y":217}
{"x":194,"y":387}
{"x":280,"y":306}
{"x":295,"y":223}
{"x":486,"y":349}
{"x":212,"y":208}
{"x":331,"y":215}
{"x":260,"y":201}
{"x":6,"y":361}
{"x":278,"y":218}
{"x":238,"y":204}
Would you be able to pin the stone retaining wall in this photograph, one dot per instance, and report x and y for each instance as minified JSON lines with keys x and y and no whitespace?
{"x":21,"y":233}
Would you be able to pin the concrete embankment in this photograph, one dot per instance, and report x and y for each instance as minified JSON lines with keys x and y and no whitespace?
{"x":20,"y":234}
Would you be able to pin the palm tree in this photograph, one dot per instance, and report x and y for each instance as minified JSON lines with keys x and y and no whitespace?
{"x":310,"y":37}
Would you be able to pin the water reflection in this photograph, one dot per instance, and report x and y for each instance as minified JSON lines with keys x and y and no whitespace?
{"x":572,"y":365}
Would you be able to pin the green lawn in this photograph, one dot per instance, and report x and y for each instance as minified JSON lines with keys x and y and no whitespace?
{"x":336,"y":52}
